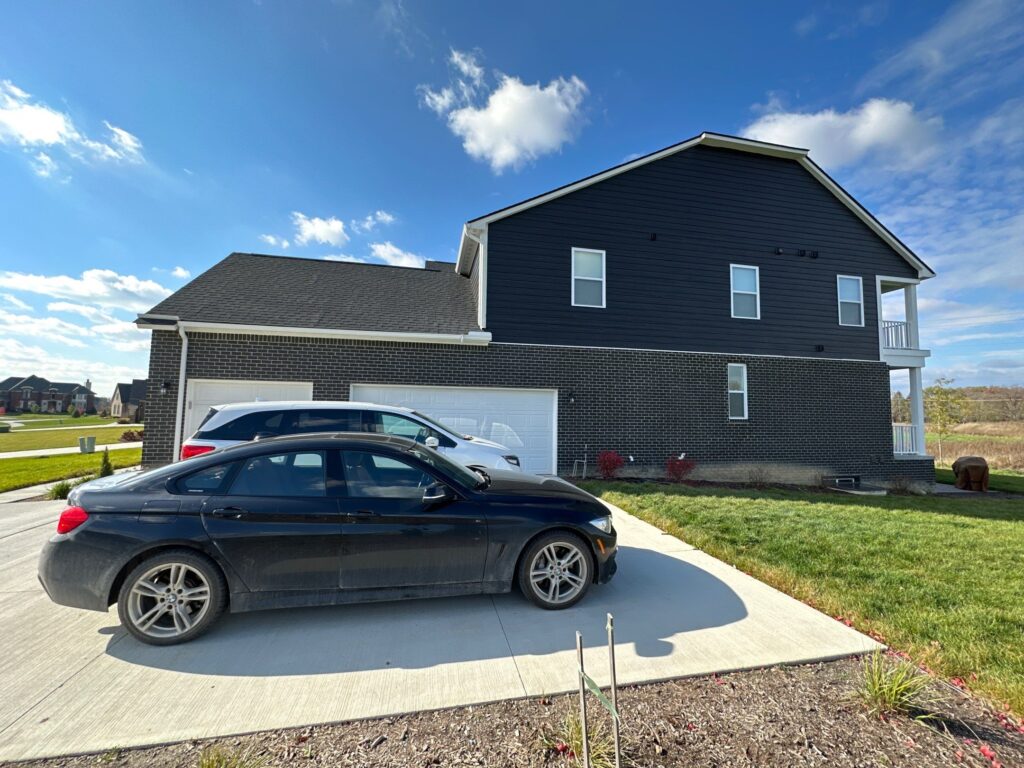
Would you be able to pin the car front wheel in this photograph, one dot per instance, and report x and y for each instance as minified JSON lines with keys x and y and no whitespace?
{"x":172,"y":597}
{"x":556,"y":570}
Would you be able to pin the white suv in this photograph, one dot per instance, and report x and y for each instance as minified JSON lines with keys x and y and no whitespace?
{"x":226,"y":425}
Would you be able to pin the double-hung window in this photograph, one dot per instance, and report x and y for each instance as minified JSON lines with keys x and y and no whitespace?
{"x":745,"y":283}
{"x":588,"y":278}
{"x":851,"y":300}
{"x":737,"y":391}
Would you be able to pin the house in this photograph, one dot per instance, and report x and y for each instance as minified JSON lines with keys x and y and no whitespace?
{"x":128,"y":398}
{"x":721,"y":297}
{"x":18,"y":393}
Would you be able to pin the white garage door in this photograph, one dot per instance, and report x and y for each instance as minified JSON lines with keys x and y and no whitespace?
{"x":204,"y":393}
{"x":524,"y":420}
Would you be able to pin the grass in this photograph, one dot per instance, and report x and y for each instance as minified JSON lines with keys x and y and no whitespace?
{"x":998,"y":479}
{"x":1000,"y":442}
{"x":51,"y":420}
{"x":893,"y":686}
{"x":20,"y":473}
{"x":937,"y":577}
{"x":30,"y":440}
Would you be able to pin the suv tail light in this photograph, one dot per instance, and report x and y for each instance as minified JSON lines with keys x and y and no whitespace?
{"x":71,"y":518}
{"x":188,"y":451}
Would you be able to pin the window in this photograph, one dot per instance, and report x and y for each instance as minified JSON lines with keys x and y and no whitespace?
{"x":745,"y":283}
{"x":248,"y":426}
{"x":393,"y":424}
{"x":851,"y":300}
{"x":282,"y":474}
{"x":324,"y":420}
{"x":737,"y":391}
{"x":209,"y":480}
{"x":371,"y":475}
{"x":587,"y":278}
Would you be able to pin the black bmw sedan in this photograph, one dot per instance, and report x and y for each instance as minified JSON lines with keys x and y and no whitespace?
{"x":318,"y":520}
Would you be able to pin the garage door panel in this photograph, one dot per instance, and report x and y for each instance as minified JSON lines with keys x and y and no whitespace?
{"x":521,"y":419}
{"x":203,"y":394}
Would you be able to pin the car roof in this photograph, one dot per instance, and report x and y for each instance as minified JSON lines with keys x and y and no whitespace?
{"x":328,"y":440}
{"x":287,"y":405}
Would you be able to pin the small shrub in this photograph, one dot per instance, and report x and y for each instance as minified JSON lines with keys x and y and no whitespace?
{"x":758,"y":476}
{"x":903,"y":485}
{"x":609,"y":463}
{"x":76,"y":414}
{"x":70,"y":410}
{"x":567,"y":742}
{"x":33,"y":407}
{"x":124,"y":420}
{"x":218,"y":757}
{"x":131,"y":436}
{"x":59,"y":490}
{"x":677,"y":469}
{"x":894,"y":687}
{"x":105,"y":467}
{"x":104,"y":413}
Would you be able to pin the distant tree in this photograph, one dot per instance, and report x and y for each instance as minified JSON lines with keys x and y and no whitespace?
{"x":71,"y":410}
{"x":944,"y":408}
{"x":900,"y":408}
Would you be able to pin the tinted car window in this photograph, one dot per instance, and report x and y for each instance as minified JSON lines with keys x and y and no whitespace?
{"x":209,"y":480}
{"x":323,"y":420}
{"x":246,"y":426}
{"x":282,"y":474}
{"x":370,"y":475}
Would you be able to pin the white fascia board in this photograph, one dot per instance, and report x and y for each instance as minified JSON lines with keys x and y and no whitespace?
{"x":473,"y":338}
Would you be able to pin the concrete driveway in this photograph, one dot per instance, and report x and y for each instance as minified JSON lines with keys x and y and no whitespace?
{"x":73,"y":681}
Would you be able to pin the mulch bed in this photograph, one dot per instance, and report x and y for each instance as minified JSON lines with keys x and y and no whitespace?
{"x":787,"y":716}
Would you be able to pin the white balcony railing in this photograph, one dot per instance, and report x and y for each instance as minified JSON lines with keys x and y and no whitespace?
{"x":896,"y":334}
{"x":904,"y":439}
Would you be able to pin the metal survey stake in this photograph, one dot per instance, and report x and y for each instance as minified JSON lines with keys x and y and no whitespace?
{"x":583,"y":701}
{"x":615,"y":694}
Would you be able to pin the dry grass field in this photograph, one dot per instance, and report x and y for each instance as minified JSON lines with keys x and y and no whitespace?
{"x":1001,"y":443}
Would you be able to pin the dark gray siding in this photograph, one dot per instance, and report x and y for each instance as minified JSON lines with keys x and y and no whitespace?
{"x":708,"y":208}
{"x":805,"y":412}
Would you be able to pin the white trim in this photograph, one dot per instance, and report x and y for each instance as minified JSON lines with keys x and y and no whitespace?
{"x":179,"y":425}
{"x":756,"y":292}
{"x":840,"y":300}
{"x":472,"y":338}
{"x":729,"y":392}
{"x":480,"y":238}
{"x":724,"y":142}
{"x":603,"y":279}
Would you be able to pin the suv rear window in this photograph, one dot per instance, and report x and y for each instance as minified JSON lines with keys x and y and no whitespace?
{"x":326,"y":420}
{"x":246,"y":426}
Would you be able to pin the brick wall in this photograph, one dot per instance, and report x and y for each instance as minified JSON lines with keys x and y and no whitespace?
{"x":832,"y":414}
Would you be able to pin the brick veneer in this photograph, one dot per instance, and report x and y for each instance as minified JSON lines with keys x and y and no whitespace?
{"x":832,"y":414}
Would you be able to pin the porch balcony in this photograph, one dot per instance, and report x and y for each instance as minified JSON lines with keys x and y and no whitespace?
{"x":899,"y":339}
{"x":904,"y":440}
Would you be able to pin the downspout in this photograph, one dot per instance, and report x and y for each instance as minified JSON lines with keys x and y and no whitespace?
{"x":480,"y":238}
{"x":179,"y":411}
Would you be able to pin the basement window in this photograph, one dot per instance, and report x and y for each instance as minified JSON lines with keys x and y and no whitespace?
{"x":737,"y":391}
{"x":588,"y":278}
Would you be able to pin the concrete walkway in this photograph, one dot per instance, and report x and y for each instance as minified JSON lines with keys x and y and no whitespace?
{"x":72,"y":681}
{"x":16,"y":430}
{"x":63,"y":451}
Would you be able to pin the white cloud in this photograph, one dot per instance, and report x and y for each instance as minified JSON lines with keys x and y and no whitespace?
{"x":395,"y":256}
{"x":54,"y":328}
{"x":327,"y":231}
{"x":18,"y":357}
{"x":181,"y":273}
{"x":15,"y":302}
{"x":892,"y":130}
{"x":33,"y":126}
{"x":806,"y":24}
{"x":274,"y":240}
{"x":102,"y":287}
{"x":370,"y":222}
{"x":344,"y":257}
{"x":516,"y":122}
{"x":90,"y":313}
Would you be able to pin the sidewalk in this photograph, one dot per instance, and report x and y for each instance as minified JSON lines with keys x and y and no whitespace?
{"x":61,"y":451}
{"x":19,"y":430}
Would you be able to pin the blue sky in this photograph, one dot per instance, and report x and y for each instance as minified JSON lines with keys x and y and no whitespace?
{"x":141,"y":143}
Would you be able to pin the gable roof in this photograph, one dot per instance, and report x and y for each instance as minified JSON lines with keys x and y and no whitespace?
{"x":247,"y":289}
{"x":35,"y":382}
{"x":470,"y":244}
{"x":123,"y":392}
{"x":9,"y":382}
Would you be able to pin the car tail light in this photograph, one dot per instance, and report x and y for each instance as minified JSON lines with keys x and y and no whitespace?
{"x":188,"y":451}
{"x":71,"y":518}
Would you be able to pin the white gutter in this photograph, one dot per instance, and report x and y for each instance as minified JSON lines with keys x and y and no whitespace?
{"x":480,"y":238}
{"x":179,"y":410}
{"x":473,"y":338}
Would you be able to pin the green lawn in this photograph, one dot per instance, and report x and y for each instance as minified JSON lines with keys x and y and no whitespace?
{"x":63,"y":438}
{"x":937,"y":577}
{"x":49,"y":421}
{"x":20,"y":473}
{"x":998,"y":479}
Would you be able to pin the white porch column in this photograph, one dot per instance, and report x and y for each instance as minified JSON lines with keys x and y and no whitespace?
{"x":910,"y":310}
{"x":917,"y":410}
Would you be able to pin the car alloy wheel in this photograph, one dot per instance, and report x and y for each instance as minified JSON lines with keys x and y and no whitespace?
{"x":557,"y":571}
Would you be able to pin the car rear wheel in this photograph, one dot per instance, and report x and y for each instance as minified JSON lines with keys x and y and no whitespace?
{"x":172,"y":597}
{"x":556,"y":570}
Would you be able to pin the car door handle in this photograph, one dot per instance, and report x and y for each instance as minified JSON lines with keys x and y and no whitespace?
{"x":230,"y":513}
{"x":362,"y":513}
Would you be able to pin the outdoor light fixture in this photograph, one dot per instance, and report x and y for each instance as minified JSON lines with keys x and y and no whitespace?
{"x":572,"y":398}
{"x":164,"y":386}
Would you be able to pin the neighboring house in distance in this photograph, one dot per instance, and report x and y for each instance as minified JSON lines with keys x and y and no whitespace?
{"x":721,"y":297}
{"x":128,"y":399}
{"x":18,"y":393}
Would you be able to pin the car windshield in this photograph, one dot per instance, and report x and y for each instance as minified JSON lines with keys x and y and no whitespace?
{"x":464,"y":475}
{"x":439,"y":425}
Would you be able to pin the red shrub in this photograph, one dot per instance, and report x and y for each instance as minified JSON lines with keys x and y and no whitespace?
{"x":608,"y":463}
{"x":678,"y":469}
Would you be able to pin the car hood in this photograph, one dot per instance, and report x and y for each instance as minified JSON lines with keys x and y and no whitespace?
{"x":521,"y":483}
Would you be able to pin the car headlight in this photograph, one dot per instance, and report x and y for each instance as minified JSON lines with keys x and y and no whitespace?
{"x":602,"y":524}
{"x":513,"y":460}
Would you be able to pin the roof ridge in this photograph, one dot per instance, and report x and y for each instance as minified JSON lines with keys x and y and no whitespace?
{"x":323,"y":260}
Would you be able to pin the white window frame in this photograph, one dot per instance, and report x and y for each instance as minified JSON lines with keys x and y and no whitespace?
{"x":756,"y":293}
{"x":603,"y":279}
{"x":728,"y":392}
{"x":840,"y":300}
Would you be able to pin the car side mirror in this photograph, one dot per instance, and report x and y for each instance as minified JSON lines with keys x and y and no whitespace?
{"x":437,"y":493}
{"x":432,"y":442}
